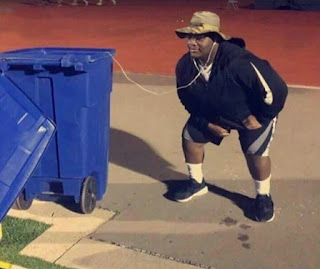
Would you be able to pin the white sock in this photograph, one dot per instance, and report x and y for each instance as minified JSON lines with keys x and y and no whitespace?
{"x":195,"y":171}
{"x":263,"y":187}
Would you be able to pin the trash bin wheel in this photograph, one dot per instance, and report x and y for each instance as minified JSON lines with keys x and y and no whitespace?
{"x":21,"y":203}
{"x":88,"y":199}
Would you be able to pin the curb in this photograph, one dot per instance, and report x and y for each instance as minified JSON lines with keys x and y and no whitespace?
{"x":67,"y":229}
{"x":67,"y":242}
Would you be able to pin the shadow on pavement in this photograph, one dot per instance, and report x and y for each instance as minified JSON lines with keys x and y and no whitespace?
{"x":131,"y":152}
{"x":245,"y":203}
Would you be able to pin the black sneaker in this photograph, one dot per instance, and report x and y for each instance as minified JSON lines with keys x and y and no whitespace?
{"x":264,"y":208}
{"x":191,"y":189}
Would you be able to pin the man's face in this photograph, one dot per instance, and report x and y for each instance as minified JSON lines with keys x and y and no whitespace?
{"x":199,"y":46}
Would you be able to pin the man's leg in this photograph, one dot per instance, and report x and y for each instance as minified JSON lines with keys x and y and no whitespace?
{"x":259,"y":166}
{"x":260,"y":170}
{"x":255,"y":145}
{"x":196,"y":185}
{"x":193,"y":142}
{"x":193,"y":152}
{"x":194,"y":155}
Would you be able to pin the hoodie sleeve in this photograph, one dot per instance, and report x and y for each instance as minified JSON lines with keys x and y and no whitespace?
{"x":182,"y":78}
{"x":262,"y":84}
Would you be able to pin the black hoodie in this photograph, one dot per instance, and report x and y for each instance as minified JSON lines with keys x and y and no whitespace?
{"x":240,"y":84}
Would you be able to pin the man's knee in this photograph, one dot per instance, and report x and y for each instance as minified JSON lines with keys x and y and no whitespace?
{"x":259,"y":166}
{"x":193,"y":152}
{"x":191,"y":145}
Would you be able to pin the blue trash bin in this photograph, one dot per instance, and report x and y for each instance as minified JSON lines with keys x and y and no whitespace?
{"x":71,"y":86}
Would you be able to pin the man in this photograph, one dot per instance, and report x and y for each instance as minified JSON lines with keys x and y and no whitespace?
{"x":225,"y":87}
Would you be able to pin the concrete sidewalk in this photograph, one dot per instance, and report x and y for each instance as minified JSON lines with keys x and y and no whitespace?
{"x":136,"y":226}
{"x":217,"y":230}
{"x":67,"y":241}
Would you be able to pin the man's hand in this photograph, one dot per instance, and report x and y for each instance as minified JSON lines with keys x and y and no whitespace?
{"x":251,"y":123}
{"x":218,"y":130}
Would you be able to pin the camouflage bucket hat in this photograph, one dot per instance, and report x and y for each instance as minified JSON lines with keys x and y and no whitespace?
{"x":202,"y":22}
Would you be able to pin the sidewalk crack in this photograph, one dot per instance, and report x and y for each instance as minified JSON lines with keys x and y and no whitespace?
{"x":64,"y":253}
{"x":162,"y":256}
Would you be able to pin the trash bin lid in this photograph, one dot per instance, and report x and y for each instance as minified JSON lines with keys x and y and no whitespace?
{"x":24,"y":136}
{"x":62,"y":57}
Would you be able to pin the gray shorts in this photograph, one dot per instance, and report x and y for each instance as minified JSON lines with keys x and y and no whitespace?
{"x":256,"y":142}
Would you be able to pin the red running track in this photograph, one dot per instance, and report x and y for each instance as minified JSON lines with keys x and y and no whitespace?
{"x":142,"y":32}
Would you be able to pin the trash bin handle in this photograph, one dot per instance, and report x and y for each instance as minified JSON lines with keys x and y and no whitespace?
{"x":64,"y":61}
{"x":27,"y":60}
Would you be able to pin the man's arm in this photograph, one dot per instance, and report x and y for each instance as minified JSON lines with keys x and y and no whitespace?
{"x":259,"y":79}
